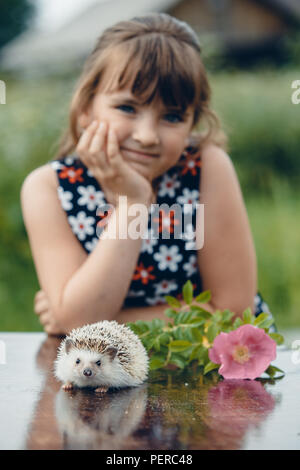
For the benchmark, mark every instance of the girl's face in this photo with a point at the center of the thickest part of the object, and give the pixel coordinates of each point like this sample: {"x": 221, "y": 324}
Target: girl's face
{"x": 151, "y": 137}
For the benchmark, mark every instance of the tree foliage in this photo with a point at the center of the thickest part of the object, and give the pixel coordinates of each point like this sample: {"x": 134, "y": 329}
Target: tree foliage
{"x": 14, "y": 18}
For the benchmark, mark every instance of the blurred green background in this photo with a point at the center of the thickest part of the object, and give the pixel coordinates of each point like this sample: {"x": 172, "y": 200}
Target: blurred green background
{"x": 264, "y": 134}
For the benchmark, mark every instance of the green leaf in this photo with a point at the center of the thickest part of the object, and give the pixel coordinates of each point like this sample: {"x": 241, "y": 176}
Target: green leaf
{"x": 212, "y": 332}
{"x": 271, "y": 371}
{"x": 158, "y": 323}
{"x": 187, "y": 292}
{"x": 210, "y": 366}
{"x": 148, "y": 343}
{"x": 277, "y": 337}
{"x": 266, "y": 323}
{"x": 172, "y": 301}
{"x": 237, "y": 322}
{"x": 156, "y": 363}
{"x": 227, "y": 316}
{"x": 169, "y": 312}
{"x": 156, "y": 344}
{"x": 195, "y": 323}
{"x": 201, "y": 312}
{"x": 197, "y": 335}
{"x": 196, "y": 352}
{"x": 217, "y": 316}
{"x": 177, "y": 360}
{"x": 203, "y": 356}
{"x": 165, "y": 338}
{"x": 204, "y": 297}
{"x": 247, "y": 316}
{"x": 179, "y": 345}
{"x": 261, "y": 318}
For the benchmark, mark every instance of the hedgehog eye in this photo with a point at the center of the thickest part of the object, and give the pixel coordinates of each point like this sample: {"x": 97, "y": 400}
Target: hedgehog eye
{"x": 98, "y": 363}
{"x": 77, "y": 361}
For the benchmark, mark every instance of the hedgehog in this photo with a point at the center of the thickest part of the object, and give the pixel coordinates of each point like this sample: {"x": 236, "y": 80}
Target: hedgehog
{"x": 101, "y": 355}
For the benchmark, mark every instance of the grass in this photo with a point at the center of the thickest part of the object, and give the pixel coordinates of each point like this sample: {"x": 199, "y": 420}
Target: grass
{"x": 276, "y": 226}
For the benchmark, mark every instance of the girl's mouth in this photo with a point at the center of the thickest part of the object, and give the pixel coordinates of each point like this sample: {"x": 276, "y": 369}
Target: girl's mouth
{"x": 137, "y": 155}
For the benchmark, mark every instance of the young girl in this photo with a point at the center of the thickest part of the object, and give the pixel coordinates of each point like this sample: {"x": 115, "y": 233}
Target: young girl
{"x": 141, "y": 95}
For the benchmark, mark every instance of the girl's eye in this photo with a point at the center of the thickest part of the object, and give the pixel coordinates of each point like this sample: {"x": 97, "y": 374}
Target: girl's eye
{"x": 77, "y": 361}
{"x": 126, "y": 108}
{"x": 170, "y": 117}
{"x": 98, "y": 363}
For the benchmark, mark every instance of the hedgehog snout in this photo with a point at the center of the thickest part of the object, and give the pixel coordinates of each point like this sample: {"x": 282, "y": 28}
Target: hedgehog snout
{"x": 87, "y": 372}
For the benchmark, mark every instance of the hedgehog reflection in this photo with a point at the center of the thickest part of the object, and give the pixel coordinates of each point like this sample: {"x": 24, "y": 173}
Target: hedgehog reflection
{"x": 89, "y": 422}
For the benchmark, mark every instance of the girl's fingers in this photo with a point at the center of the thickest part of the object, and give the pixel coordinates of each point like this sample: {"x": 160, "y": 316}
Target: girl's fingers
{"x": 44, "y": 318}
{"x": 113, "y": 151}
{"x": 96, "y": 148}
{"x": 41, "y": 306}
{"x": 86, "y": 137}
{"x": 39, "y": 295}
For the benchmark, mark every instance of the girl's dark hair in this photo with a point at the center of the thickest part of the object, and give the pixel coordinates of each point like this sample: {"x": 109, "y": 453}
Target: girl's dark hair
{"x": 155, "y": 56}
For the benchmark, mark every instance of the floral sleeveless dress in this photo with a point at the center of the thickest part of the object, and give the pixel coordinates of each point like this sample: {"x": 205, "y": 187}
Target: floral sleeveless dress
{"x": 168, "y": 256}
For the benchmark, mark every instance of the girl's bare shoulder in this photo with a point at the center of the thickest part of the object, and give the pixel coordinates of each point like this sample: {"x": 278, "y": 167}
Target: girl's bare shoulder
{"x": 217, "y": 167}
{"x": 212, "y": 154}
{"x": 39, "y": 192}
{"x": 43, "y": 176}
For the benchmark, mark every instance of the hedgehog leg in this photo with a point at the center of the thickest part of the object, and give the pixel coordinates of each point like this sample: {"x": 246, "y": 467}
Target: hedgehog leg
{"x": 101, "y": 389}
{"x": 68, "y": 386}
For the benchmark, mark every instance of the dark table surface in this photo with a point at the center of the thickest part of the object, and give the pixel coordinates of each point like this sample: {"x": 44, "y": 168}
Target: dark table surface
{"x": 167, "y": 412}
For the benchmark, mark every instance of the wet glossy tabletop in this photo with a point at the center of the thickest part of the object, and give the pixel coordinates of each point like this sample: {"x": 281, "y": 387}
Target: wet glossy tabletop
{"x": 167, "y": 412}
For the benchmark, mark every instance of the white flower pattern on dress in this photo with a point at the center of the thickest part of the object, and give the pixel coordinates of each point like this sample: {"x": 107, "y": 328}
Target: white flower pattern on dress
{"x": 90, "y": 246}
{"x": 156, "y": 301}
{"x": 165, "y": 287}
{"x": 191, "y": 266}
{"x": 168, "y": 186}
{"x": 168, "y": 258}
{"x": 57, "y": 165}
{"x": 149, "y": 241}
{"x": 82, "y": 225}
{"x": 65, "y": 198}
{"x": 90, "y": 197}
{"x": 139, "y": 293}
{"x": 189, "y": 235}
{"x": 188, "y": 199}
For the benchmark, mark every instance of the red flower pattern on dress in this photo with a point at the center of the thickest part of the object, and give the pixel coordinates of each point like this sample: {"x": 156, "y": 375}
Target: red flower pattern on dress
{"x": 143, "y": 273}
{"x": 72, "y": 174}
{"x": 166, "y": 221}
{"x": 191, "y": 164}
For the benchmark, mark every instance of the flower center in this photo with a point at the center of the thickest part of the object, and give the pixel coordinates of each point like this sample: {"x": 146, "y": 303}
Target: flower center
{"x": 241, "y": 354}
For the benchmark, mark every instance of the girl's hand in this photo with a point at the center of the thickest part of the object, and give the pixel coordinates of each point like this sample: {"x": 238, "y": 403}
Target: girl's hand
{"x": 99, "y": 150}
{"x": 43, "y": 309}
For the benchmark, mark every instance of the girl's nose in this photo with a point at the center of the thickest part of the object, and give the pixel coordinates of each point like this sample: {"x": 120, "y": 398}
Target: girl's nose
{"x": 146, "y": 132}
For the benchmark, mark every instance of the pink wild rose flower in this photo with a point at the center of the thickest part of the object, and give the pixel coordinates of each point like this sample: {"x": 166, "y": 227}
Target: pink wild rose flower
{"x": 244, "y": 353}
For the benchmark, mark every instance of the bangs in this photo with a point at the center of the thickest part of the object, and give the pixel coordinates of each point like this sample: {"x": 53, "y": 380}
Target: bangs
{"x": 154, "y": 67}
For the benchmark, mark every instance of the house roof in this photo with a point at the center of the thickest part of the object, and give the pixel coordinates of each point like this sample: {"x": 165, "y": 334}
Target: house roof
{"x": 35, "y": 50}
{"x": 73, "y": 41}
{"x": 289, "y": 9}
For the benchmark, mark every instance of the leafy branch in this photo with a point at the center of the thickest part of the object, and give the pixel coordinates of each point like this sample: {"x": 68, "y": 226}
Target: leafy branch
{"x": 190, "y": 332}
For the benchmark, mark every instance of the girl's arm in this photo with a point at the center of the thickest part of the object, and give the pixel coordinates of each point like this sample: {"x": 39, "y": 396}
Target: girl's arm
{"x": 227, "y": 261}
{"x": 81, "y": 289}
